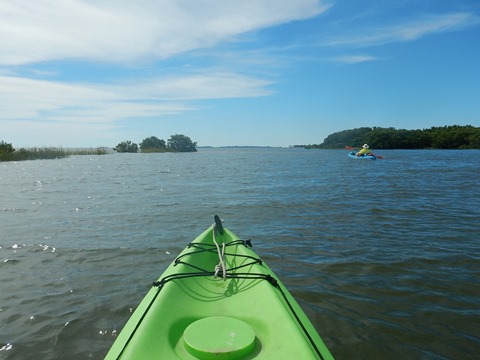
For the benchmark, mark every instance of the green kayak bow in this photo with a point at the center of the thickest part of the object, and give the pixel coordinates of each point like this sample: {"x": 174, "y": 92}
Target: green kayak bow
{"x": 218, "y": 300}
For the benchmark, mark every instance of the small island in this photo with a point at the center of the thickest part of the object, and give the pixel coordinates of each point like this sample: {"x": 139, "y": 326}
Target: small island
{"x": 176, "y": 143}
{"x": 447, "y": 137}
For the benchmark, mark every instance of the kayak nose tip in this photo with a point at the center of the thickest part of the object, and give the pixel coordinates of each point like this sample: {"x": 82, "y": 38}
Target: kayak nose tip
{"x": 218, "y": 224}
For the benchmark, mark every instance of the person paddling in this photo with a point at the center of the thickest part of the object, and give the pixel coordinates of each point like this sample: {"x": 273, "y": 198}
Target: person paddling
{"x": 365, "y": 150}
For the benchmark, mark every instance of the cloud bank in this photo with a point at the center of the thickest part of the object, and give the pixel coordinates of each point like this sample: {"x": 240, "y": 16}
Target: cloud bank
{"x": 125, "y": 31}
{"x": 137, "y": 34}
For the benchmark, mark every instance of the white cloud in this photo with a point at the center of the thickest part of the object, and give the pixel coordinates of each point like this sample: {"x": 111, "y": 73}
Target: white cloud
{"x": 214, "y": 85}
{"x": 86, "y": 113}
{"x": 22, "y": 98}
{"x": 407, "y": 31}
{"x": 124, "y": 30}
{"x": 354, "y": 59}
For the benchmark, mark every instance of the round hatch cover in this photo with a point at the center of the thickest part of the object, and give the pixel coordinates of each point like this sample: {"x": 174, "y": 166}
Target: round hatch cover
{"x": 219, "y": 337}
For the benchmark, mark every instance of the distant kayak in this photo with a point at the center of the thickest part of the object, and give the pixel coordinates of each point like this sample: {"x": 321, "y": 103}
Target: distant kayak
{"x": 353, "y": 155}
{"x": 218, "y": 300}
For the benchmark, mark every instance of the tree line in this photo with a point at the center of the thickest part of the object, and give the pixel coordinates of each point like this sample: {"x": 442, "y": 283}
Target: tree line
{"x": 176, "y": 143}
{"x": 447, "y": 137}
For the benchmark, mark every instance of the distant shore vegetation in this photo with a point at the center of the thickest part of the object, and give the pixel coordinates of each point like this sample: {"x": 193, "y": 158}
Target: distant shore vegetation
{"x": 176, "y": 143}
{"x": 9, "y": 153}
{"x": 447, "y": 137}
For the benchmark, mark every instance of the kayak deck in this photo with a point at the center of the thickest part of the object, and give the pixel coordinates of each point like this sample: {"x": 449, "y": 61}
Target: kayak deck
{"x": 191, "y": 314}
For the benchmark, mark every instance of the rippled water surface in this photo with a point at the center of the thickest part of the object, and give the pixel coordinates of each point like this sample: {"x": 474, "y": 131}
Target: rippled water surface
{"x": 383, "y": 256}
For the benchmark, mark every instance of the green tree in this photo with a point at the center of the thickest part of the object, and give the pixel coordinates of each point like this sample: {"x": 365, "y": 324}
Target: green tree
{"x": 473, "y": 141}
{"x": 6, "y": 151}
{"x": 354, "y": 137}
{"x": 153, "y": 144}
{"x": 6, "y": 147}
{"x": 181, "y": 143}
{"x": 126, "y": 146}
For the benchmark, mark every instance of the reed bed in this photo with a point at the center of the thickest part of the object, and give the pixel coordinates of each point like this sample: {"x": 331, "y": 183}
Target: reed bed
{"x": 38, "y": 153}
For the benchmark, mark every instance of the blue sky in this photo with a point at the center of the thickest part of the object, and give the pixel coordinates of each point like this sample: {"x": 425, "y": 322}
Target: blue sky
{"x": 81, "y": 73}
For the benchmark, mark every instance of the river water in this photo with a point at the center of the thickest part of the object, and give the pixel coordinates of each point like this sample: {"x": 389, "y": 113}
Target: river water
{"x": 384, "y": 256}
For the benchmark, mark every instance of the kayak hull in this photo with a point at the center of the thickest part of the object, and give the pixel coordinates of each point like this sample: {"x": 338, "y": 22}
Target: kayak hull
{"x": 353, "y": 155}
{"x": 188, "y": 311}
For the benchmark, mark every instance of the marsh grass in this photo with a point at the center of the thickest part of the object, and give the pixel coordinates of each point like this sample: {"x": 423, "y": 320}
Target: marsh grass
{"x": 38, "y": 153}
{"x": 89, "y": 151}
